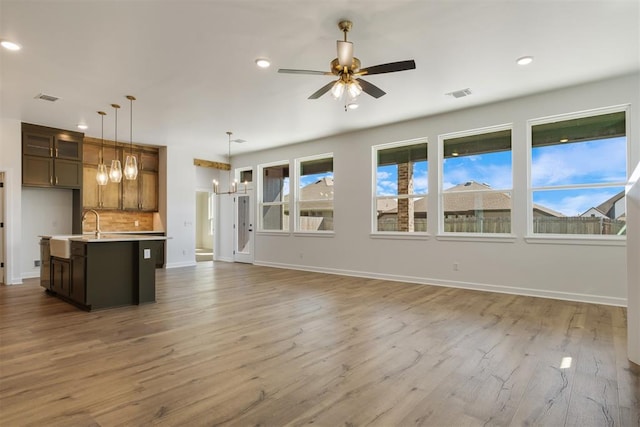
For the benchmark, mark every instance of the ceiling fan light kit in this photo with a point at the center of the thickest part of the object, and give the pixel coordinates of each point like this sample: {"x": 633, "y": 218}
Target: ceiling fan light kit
{"x": 347, "y": 68}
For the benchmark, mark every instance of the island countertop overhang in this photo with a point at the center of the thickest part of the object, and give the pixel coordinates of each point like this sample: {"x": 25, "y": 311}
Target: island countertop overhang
{"x": 105, "y": 238}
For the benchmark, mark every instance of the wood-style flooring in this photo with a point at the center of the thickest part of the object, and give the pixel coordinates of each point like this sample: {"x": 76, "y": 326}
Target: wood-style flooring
{"x": 242, "y": 345}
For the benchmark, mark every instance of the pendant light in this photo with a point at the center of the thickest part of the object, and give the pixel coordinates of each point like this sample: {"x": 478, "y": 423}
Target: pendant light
{"x": 102, "y": 176}
{"x": 115, "y": 172}
{"x": 131, "y": 163}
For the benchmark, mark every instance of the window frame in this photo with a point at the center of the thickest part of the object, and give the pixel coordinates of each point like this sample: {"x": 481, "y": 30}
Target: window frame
{"x": 596, "y": 239}
{"x": 441, "y": 217}
{"x": 374, "y": 196}
{"x": 294, "y": 206}
{"x": 261, "y": 203}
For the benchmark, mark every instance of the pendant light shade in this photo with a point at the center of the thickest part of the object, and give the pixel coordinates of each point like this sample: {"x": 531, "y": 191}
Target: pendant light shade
{"x": 115, "y": 172}
{"x": 131, "y": 162}
{"x": 102, "y": 176}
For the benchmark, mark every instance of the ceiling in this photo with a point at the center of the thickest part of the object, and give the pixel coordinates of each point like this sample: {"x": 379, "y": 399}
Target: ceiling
{"x": 191, "y": 63}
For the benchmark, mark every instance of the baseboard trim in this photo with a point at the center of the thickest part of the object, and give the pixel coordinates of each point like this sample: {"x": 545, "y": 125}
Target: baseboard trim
{"x": 566, "y": 296}
{"x": 180, "y": 264}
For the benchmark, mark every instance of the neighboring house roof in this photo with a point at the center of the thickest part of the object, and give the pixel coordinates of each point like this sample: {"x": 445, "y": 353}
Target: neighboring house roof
{"x": 606, "y": 208}
{"x": 317, "y": 193}
{"x": 463, "y": 198}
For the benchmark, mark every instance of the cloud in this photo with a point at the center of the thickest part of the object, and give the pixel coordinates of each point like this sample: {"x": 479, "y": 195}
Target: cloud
{"x": 493, "y": 169}
{"x": 580, "y": 163}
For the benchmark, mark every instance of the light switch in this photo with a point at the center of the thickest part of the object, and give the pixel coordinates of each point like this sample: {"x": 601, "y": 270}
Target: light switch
{"x": 147, "y": 253}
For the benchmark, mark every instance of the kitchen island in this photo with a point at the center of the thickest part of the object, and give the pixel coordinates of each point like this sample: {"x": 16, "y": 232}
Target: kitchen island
{"x": 97, "y": 272}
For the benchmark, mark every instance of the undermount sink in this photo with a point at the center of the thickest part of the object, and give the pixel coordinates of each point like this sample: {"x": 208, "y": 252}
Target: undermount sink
{"x": 60, "y": 246}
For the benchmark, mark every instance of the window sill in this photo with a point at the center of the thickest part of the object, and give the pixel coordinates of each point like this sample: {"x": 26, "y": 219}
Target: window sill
{"x": 273, "y": 233}
{"x": 314, "y": 233}
{"x": 556, "y": 239}
{"x": 466, "y": 237}
{"x": 400, "y": 236}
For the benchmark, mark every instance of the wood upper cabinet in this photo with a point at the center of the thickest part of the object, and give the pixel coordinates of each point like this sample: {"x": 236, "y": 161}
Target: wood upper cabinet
{"x": 51, "y": 157}
{"x": 93, "y": 195}
{"x": 138, "y": 194}
{"x": 142, "y": 193}
{"x": 148, "y": 190}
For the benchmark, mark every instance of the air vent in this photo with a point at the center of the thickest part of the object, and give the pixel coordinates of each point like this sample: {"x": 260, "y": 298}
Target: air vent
{"x": 460, "y": 93}
{"x": 46, "y": 97}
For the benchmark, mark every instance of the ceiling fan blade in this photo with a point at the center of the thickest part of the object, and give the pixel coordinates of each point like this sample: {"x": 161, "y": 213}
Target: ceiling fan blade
{"x": 324, "y": 89}
{"x": 345, "y": 53}
{"x": 318, "y": 73}
{"x": 371, "y": 89}
{"x": 391, "y": 67}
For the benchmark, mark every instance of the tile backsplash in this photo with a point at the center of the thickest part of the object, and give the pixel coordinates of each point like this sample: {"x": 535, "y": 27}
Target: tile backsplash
{"x": 120, "y": 221}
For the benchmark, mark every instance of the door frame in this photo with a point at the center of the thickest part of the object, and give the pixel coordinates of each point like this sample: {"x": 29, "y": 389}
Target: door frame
{"x": 244, "y": 257}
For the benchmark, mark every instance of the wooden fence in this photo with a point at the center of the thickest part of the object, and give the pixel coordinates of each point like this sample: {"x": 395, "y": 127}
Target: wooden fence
{"x": 541, "y": 225}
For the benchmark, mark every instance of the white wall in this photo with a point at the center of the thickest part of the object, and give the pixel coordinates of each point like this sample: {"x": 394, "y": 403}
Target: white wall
{"x": 181, "y": 207}
{"x": 586, "y": 271}
{"x": 44, "y": 211}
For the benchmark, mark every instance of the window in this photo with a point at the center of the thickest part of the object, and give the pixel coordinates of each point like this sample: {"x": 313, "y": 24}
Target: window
{"x": 400, "y": 197}
{"x": 475, "y": 195}
{"x": 578, "y": 173}
{"x": 315, "y": 193}
{"x": 246, "y": 176}
{"x": 274, "y": 201}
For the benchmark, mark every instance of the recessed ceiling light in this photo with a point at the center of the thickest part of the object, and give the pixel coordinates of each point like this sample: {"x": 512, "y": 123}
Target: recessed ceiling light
{"x": 353, "y": 106}
{"x": 524, "y": 60}
{"x": 9, "y": 45}
{"x": 564, "y": 140}
{"x": 263, "y": 63}
{"x": 82, "y": 126}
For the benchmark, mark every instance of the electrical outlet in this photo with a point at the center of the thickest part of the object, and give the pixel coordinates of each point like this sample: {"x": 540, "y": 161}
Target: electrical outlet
{"x": 456, "y": 266}
{"x": 136, "y": 223}
{"x": 36, "y": 263}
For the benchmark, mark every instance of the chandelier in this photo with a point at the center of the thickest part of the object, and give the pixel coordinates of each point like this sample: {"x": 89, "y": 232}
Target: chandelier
{"x": 233, "y": 185}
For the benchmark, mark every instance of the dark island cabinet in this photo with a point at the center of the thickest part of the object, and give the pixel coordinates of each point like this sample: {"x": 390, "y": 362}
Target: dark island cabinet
{"x": 78, "y": 273}
{"x": 61, "y": 276}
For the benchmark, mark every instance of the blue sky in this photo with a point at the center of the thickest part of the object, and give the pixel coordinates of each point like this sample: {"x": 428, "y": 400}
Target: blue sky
{"x": 602, "y": 161}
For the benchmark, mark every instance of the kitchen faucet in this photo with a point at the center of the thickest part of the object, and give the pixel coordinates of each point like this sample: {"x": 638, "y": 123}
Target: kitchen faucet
{"x": 97, "y": 232}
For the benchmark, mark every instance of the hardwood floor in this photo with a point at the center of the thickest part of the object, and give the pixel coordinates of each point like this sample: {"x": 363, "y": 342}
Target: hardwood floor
{"x": 241, "y": 345}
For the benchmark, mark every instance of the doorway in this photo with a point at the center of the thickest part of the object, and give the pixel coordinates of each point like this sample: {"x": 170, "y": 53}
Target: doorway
{"x": 204, "y": 226}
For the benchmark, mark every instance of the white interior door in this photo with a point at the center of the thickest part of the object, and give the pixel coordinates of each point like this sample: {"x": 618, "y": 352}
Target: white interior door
{"x": 243, "y": 228}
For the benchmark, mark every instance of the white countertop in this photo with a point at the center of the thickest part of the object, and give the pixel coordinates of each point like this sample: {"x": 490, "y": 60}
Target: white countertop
{"x": 105, "y": 237}
{"x": 112, "y": 237}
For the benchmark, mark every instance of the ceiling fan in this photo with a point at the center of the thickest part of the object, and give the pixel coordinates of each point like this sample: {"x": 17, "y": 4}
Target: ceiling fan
{"x": 347, "y": 68}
